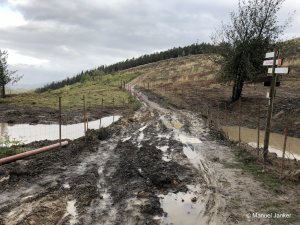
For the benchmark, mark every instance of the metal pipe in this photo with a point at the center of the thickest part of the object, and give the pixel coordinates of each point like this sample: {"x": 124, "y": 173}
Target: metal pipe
{"x": 32, "y": 152}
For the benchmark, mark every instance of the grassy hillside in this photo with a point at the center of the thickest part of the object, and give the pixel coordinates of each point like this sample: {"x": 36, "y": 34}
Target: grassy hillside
{"x": 106, "y": 87}
{"x": 199, "y": 71}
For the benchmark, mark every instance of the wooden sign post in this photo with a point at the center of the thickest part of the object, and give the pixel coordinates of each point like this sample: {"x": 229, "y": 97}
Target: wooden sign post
{"x": 274, "y": 72}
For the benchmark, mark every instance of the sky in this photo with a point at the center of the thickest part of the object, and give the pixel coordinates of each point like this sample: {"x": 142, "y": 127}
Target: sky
{"x": 51, "y": 40}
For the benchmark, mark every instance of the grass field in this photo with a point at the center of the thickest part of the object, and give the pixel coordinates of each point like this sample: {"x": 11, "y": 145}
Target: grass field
{"x": 106, "y": 87}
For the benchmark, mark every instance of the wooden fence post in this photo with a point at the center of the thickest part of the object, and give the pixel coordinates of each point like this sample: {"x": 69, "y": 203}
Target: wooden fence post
{"x": 207, "y": 109}
{"x": 113, "y": 110}
{"x": 226, "y": 120}
{"x": 258, "y": 126}
{"x": 240, "y": 102}
{"x": 60, "y": 122}
{"x": 218, "y": 115}
{"x": 87, "y": 121}
{"x": 284, "y": 146}
{"x": 84, "y": 116}
{"x": 123, "y": 106}
{"x": 101, "y": 114}
{"x": 210, "y": 113}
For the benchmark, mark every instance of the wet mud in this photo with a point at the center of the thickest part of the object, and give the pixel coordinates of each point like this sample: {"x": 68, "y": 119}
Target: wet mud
{"x": 40, "y": 115}
{"x": 160, "y": 165}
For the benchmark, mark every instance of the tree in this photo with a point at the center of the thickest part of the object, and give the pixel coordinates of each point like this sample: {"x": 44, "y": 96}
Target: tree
{"x": 183, "y": 53}
{"x": 6, "y": 76}
{"x": 253, "y": 31}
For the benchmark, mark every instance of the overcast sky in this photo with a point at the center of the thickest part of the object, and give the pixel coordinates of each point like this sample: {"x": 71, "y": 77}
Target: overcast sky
{"x": 50, "y": 40}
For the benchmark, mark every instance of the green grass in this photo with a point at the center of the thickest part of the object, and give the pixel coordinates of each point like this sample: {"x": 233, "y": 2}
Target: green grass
{"x": 106, "y": 87}
{"x": 9, "y": 147}
{"x": 268, "y": 182}
{"x": 236, "y": 201}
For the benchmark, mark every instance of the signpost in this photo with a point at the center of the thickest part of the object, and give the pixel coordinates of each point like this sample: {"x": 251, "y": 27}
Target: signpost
{"x": 271, "y": 55}
{"x": 283, "y": 70}
{"x": 270, "y": 62}
{"x": 274, "y": 72}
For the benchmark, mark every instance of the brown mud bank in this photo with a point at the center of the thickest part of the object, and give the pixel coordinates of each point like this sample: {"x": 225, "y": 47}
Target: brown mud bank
{"x": 40, "y": 115}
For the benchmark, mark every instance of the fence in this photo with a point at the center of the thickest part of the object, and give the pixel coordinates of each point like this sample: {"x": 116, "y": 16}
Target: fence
{"x": 62, "y": 122}
{"x": 243, "y": 121}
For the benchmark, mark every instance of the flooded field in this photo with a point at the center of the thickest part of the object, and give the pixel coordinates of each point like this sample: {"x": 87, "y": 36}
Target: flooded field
{"x": 275, "y": 145}
{"x": 29, "y": 133}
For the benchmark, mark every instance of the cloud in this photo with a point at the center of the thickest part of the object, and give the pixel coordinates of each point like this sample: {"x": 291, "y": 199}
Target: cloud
{"x": 70, "y": 36}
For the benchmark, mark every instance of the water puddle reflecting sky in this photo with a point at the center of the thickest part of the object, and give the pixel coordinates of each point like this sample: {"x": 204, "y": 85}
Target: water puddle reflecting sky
{"x": 30, "y": 133}
{"x": 276, "y": 141}
{"x": 183, "y": 212}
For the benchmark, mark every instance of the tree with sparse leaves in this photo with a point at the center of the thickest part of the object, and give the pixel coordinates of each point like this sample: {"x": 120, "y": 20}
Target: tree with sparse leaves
{"x": 243, "y": 43}
{"x": 6, "y": 76}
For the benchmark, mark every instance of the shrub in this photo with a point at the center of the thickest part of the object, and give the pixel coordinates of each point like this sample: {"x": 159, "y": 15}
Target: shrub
{"x": 136, "y": 105}
{"x": 37, "y": 90}
{"x": 85, "y": 78}
{"x": 9, "y": 147}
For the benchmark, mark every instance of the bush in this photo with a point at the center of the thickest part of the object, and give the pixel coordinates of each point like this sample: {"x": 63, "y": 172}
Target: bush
{"x": 50, "y": 90}
{"x": 136, "y": 105}
{"x": 9, "y": 147}
{"x": 37, "y": 90}
{"x": 72, "y": 87}
{"x": 85, "y": 78}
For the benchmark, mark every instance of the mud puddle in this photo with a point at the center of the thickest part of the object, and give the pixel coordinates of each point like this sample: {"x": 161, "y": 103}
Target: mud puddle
{"x": 29, "y": 133}
{"x": 183, "y": 209}
{"x": 275, "y": 145}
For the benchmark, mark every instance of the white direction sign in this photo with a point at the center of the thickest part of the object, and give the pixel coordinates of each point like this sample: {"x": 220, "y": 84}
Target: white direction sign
{"x": 283, "y": 70}
{"x": 270, "y": 54}
{"x": 270, "y": 62}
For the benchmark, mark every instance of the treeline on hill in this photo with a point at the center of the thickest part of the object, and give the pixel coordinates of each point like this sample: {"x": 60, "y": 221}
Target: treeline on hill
{"x": 193, "y": 49}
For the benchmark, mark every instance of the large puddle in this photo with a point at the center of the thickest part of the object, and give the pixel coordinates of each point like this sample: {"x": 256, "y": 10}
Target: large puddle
{"x": 181, "y": 210}
{"x": 276, "y": 141}
{"x": 29, "y": 133}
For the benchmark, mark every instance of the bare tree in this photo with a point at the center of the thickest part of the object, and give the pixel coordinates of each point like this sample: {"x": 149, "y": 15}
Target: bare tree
{"x": 253, "y": 31}
{"x": 6, "y": 76}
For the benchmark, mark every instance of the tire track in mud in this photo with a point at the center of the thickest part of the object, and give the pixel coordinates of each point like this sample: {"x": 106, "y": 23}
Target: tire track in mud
{"x": 158, "y": 166}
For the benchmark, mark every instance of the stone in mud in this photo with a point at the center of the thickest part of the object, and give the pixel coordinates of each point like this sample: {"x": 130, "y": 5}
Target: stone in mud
{"x": 215, "y": 159}
{"x": 152, "y": 207}
{"x": 18, "y": 170}
{"x": 160, "y": 179}
{"x": 144, "y": 194}
{"x": 35, "y": 121}
{"x": 2, "y": 171}
{"x": 194, "y": 199}
{"x": 102, "y": 134}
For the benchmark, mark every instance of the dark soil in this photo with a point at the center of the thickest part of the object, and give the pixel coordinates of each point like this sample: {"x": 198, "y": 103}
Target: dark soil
{"x": 38, "y": 115}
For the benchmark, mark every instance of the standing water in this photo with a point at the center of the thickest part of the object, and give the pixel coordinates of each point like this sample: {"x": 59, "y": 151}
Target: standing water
{"x": 275, "y": 144}
{"x": 29, "y": 133}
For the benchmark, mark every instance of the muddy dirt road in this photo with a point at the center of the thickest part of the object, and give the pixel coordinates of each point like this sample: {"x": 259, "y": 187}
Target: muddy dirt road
{"x": 158, "y": 166}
